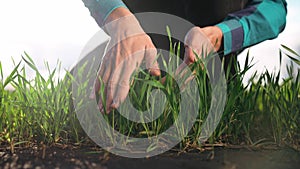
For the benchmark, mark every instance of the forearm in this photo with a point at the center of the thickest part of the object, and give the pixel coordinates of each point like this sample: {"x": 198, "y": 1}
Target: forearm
{"x": 259, "y": 21}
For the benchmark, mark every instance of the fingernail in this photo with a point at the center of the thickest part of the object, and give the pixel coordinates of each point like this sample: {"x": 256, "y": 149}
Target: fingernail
{"x": 154, "y": 72}
{"x": 114, "y": 105}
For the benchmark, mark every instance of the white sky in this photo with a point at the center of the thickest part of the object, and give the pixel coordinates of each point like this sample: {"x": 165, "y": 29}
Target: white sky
{"x": 48, "y": 30}
{"x": 51, "y": 30}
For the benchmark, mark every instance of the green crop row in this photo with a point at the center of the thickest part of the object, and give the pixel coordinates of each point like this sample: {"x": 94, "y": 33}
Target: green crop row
{"x": 266, "y": 110}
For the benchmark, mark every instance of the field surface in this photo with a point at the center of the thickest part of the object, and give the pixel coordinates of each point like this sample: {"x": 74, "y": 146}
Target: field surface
{"x": 262, "y": 114}
{"x": 219, "y": 158}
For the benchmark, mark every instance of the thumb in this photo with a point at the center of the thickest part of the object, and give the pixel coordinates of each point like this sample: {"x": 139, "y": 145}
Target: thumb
{"x": 189, "y": 55}
{"x": 151, "y": 61}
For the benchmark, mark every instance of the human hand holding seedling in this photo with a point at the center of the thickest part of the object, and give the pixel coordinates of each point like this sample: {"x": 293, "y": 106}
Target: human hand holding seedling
{"x": 202, "y": 41}
{"x": 198, "y": 43}
{"x": 128, "y": 47}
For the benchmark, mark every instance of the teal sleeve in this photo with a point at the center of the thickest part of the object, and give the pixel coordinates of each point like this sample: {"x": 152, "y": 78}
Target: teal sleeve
{"x": 100, "y": 9}
{"x": 260, "y": 20}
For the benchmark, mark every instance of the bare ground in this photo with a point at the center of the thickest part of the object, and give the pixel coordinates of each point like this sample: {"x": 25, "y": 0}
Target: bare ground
{"x": 219, "y": 158}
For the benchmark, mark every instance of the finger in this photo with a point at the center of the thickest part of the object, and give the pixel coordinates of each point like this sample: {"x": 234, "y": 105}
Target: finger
{"x": 121, "y": 94}
{"x": 100, "y": 105}
{"x": 163, "y": 80}
{"x": 151, "y": 61}
{"x": 111, "y": 87}
{"x": 189, "y": 55}
{"x": 110, "y": 82}
{"x": 102, "y": 79}
{"x": 97, "y": 82}
{"x": 124, "y": 72}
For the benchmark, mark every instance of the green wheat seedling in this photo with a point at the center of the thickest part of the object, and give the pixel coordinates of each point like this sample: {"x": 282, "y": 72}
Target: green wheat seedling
{"x": 37, "y": 110}
{"x": 264, "y": 111}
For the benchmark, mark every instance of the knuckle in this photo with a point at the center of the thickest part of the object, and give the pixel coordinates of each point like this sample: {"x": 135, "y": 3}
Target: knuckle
{"x": 123, "y": 83}
{"x": 153, "y": 50}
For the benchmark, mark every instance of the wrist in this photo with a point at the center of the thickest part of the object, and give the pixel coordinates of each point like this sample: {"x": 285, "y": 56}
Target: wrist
{"x": 121, "y": 22}
{"x": 219, "y": 38}
{"x": 111, "y": 24}
{"x": 117, "y": 13}
{"x": 215, "y": 35}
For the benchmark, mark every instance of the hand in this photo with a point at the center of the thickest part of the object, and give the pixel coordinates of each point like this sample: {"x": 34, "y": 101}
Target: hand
{"x": 200, "y": 41}
{"x": 128, "y": 47}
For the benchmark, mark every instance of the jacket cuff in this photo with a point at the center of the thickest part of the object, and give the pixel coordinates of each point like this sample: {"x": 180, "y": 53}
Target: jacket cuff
{"x": 101, "y": 9}
{"x": 233, "y": 35}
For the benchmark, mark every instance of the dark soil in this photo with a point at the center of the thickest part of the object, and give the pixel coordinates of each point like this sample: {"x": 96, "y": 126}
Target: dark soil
{"x": 220, "y": 158}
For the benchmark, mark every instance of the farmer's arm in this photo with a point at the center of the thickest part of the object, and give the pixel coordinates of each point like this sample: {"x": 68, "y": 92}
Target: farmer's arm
{"x": 259, "y": 21}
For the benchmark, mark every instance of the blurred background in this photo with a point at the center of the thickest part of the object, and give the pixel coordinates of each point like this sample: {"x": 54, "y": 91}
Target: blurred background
{"x": 57, "y": 30}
